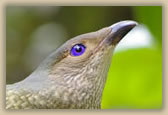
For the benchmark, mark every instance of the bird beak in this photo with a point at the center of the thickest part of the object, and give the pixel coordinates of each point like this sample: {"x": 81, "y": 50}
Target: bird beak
{"x": 119, "y": 30}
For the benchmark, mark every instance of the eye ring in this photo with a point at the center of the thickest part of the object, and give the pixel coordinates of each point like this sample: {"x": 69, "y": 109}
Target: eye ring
{"x": 78, "y": 49}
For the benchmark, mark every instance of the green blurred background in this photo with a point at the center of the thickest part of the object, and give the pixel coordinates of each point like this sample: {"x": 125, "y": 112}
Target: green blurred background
{"x": 135, "y": 76}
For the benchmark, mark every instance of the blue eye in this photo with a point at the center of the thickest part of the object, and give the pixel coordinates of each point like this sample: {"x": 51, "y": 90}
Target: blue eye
{"x": 78, "y": 50}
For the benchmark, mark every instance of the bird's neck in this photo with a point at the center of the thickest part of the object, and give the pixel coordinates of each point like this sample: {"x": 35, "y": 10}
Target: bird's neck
{"x": 83, "y": 90}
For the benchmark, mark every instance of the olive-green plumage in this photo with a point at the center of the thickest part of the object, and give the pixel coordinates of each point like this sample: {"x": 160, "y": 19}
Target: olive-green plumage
{"x": 65, "y": 81}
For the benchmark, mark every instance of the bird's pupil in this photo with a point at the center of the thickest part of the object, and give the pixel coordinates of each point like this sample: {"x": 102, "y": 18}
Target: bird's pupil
{"x": 78, "y": 49}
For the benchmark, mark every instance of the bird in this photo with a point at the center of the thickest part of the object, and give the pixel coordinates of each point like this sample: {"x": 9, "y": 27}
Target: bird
{"x": 73, "y": 76}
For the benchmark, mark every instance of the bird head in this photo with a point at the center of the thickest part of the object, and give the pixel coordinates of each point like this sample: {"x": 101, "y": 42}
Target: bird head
{"x": 87, "y": 54}
{"x": 79, "y": 67}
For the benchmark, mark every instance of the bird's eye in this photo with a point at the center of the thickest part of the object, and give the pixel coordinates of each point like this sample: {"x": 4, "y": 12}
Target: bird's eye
{"x": 78, "y": 50}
